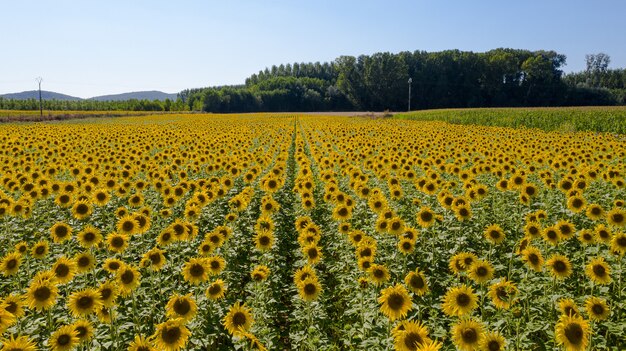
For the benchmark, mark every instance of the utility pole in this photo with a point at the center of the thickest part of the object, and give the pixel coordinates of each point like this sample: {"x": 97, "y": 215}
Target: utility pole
{"x": 39, "y": 80}
{"x": 410, "y": 81}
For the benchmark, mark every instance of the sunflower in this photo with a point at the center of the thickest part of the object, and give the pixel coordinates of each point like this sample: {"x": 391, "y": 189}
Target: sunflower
{"x": 83, "y": 303}
{"x": 395, "y": 302}
{"x": 365, "y": 263}
{"x": 493, "y": 341}
{"x": 14, "y": 304}
{"x": 260, "y": 273}
{"x": 467, "y": 334}
{"x": 216, "y": 290}
{"x": 303, "y": 273}
{"x": 84, "y": 330}
{"x": 344, "y": 228}
{"x": 81, "y": 210}
{"x": 417, "y": 283}
{"x": 144, "y": 222}
{"x": 196, "y": 270}
{"x": 135, "y": 200}
{"x": 10, "y": 264}
{"x": 432, "y": 345}
{"x": 64, "y": 200}
{"x": 100, "y": 197}
{"x": 121, "y": 212}
{"x": 85, "y": 262}
{"x": 105, "y": 314}
{"x": 565, "y": 228}
{"x": 165, "y": 238}
{"x": 616, "y": 217}
{"x": 141, "y": 343}
{"x": 572, "y": 332}
{"x": 480, "y": 271}
{"x": 567, "y": 307}
{"x": 586, "y": 237}
{"x": 597, "y": 308}
{"x": 266, "y": 223}
{"x": 21, "y": 247}
{"x": 128, "y": 225}
{"x": 551, "y": 235}
{"x": 312, "y": 253}
{"x": 618, "y": 243}
{"x": 529, "y": 189}
{"x": 60, "y": 232}
{"x": 128, "y": 279}
{"x": 108, "y": 292}
{"x": 112, "y": 264}
{"x": 560, "y": 265}
{"x": 154, "y": 259}
{"x": 356, "y": 236}
{"x": 215, "y": 239}
{"x": 378, "y": 274}
{"x": 117, "y": 242}
{"x": 410, "y": 336}
{"x": 463, "y": 212}
{"x": 459, "y": 301}
{"x": 533, "y": 257}
{"x": 603, "y": 234}
{"x": 595, "y": 212}
{"x": 171, "y": 335}
{"x": 342, "y": 213}
{"x": 64, "y": 270}
{"x": 494, "y": 234}
{"x": 181, "y": 306}
{"x": 309, "y": 289}
{"x": 576, "y": 203}
{"x": 215, "y": 264}
{"x": 366, "y": 249}
{"x": 532, "y": 230}
{"x": 40, "y": 250}
{"x": 425, "y": 217}
{"x": 6, "y": 320}
{"x": 255, "y": 343}
{"x": 264, "y": 240}
{"x": 396, "y": 225}
{"x": 231, "y": 217}
{"x": 599, "y": 271}
{"x": 461, "y": 262}
{"x": 63, "y": 339}
{"x": 382, "y": 225}
{"x": 89, "y": 237}
{"x": 503, "y": 294}
{"x": 238, "y": 319}
{"x": 406, "y": 246}
{"x": 21, "y": 343}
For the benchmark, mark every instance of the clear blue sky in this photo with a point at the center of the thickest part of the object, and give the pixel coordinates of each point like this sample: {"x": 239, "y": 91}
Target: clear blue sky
{"x": 86, "y": 48}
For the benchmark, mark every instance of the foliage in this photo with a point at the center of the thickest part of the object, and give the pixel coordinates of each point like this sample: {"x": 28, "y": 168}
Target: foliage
{"x": 594, "y": 119}
{"x": 93, "y": 105}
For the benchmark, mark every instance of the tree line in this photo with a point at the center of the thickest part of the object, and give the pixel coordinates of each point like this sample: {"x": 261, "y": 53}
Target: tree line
{"x": 94, "y": 105}
{"x": 446, "y": 79}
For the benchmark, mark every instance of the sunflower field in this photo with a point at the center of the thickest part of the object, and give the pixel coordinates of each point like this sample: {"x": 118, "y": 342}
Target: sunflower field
{"x": 291, "y": 232}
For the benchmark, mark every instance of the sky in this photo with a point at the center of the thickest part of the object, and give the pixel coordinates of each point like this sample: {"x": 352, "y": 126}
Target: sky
{"x": 89, "y": 48}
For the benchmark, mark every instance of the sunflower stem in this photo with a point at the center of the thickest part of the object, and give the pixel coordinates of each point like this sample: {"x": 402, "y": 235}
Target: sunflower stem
{"x": 113, "y": 331}
{"x": 591, "y": 335}
{"x": 135, "y": 319}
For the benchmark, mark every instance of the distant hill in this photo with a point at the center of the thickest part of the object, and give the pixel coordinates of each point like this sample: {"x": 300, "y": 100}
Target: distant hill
{"x": 34, "y": 94}
{"x": 139, "y": 95}
{"x": 50, "y": 95}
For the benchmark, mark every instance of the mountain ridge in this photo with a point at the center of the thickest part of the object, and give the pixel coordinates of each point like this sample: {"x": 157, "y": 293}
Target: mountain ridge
{"x": 51, "y": 95}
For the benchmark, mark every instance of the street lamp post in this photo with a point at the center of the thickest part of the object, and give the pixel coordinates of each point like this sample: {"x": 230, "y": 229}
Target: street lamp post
{"x": 410, "y": 81}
